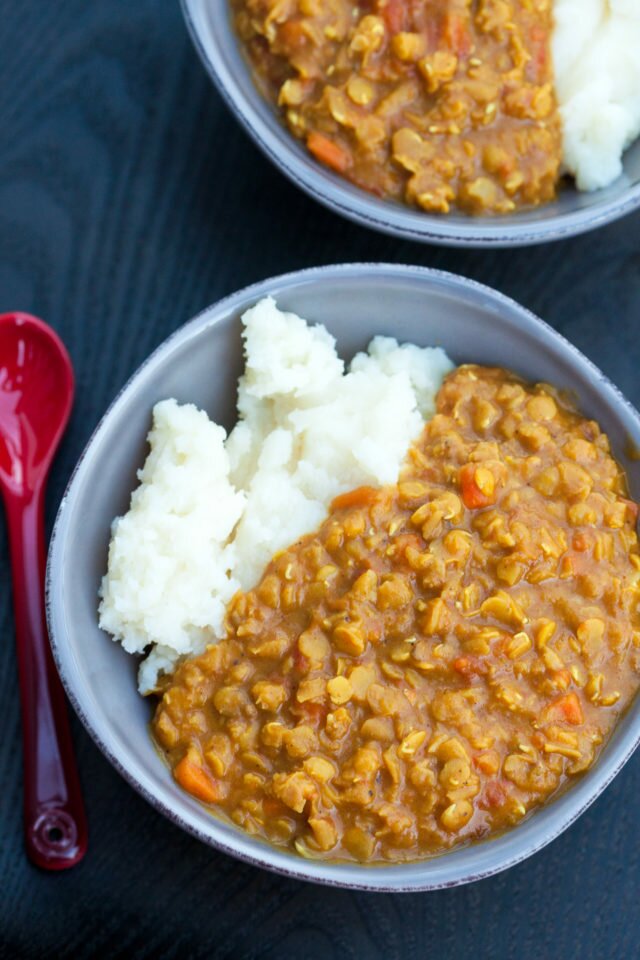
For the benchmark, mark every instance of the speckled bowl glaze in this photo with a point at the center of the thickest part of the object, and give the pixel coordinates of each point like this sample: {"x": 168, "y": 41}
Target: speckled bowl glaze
{"x": 200, "y": 363}
{"x": 209, "y": 24}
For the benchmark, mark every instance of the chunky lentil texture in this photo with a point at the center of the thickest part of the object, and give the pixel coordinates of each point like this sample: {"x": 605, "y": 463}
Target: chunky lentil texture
{"x": 441, "y": 657}
{"x": 441, "y": 104}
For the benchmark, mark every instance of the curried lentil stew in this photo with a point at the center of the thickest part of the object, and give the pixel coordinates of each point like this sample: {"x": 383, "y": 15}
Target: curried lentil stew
{"x": 441, "y": 657}
{"x": 443, "y": 104}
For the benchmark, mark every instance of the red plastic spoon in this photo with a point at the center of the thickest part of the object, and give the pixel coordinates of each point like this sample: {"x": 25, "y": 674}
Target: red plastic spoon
{"x": 36, "y": 394}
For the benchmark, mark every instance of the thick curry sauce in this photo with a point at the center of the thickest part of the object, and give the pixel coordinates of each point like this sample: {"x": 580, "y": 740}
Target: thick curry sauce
{"x": 441, "y": 657}
{"x": 443, "y": 104}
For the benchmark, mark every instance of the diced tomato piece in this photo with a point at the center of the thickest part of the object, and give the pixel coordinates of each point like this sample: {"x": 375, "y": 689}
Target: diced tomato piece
{"x": 300, "y": 662}
{"x": 540, "y": 51}
{"x": 395, "y": 15}
{"x": 495, "y": 793}
{"x": 314, "y": 713}
{"x": 456, "y": 35}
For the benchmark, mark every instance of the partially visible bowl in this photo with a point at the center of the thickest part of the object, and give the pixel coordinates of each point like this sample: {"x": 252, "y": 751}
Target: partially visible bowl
{"x": 210, "y": 26}
{"x": 200, "y": 363}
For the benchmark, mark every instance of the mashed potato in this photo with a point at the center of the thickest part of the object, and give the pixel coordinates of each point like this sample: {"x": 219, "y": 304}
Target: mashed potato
{"x": 168, "y": 578}
{"x": 596, "y": 51}
{"x": 210, "y": 513}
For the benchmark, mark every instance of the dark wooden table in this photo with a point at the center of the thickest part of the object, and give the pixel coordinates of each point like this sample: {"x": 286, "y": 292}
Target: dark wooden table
{"x": 129, "y": 200}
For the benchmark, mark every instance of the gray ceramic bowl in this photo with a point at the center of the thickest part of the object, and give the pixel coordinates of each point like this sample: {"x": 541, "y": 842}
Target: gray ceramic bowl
{"x": 210, "y": 26}
{"x": 200, "y": 363}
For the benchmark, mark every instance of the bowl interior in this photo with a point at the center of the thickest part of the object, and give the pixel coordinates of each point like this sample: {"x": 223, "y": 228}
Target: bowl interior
{"x": 200, "y": 364}
{"x": 210, "y": 24}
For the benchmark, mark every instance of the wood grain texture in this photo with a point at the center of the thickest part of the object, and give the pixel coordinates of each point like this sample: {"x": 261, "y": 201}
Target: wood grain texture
{"x": 129, "y": 200}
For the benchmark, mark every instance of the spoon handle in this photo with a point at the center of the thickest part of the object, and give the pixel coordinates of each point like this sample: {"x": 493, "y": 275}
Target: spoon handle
{"x": 54, "y": 818}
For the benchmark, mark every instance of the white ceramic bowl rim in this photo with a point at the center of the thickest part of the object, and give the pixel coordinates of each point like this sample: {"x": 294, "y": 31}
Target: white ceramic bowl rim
{"x": 225, "y": 66}
{"x": 501, "y": 852}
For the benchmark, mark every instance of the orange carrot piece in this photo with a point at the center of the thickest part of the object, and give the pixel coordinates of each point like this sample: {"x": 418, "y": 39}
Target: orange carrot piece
{"x": 329, "y": 152}
{"x": 569, "y": 709}
{"x": 196, "y": 781}
{"x": 472, "y": 496}
{"x": 360, "y": 497}
{"x": 485, "y": 764}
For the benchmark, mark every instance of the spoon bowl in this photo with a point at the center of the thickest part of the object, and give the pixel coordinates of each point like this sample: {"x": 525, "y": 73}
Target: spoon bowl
{"x": 36, "y": 395}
